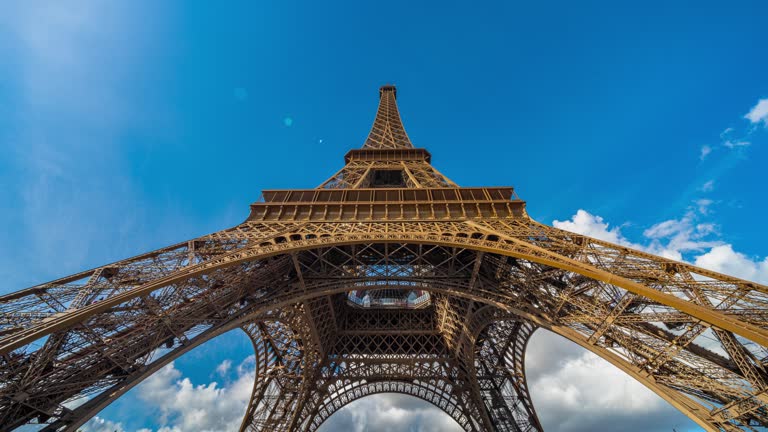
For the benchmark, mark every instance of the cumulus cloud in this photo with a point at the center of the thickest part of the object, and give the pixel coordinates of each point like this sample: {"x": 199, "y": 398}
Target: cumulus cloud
{"x": 576, "y": 391}
{"x": 390, "y": 413}
{"x": 98, "y": 424}
{"x": 584, "y": 222}
{"x": 676, "y": 238}
{"x": 671, "y": 238}
{"x": 759, "y": 113}
{"x": 573, "y": 389}
{"x": 708, "y": 186}
{"x": 724, "y": 259}
{"x": 184, "y": 406}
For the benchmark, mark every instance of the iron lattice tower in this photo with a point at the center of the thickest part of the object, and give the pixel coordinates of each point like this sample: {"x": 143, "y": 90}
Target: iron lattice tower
{"x": 388, "y": 277}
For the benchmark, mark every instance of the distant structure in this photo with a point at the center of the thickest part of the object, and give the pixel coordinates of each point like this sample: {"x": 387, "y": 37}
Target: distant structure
{"x": 388, "y": 277}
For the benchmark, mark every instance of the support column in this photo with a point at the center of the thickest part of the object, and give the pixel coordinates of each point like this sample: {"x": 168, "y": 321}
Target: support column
{"x": 498, "y": 361}
{"x": 286, "y": 363}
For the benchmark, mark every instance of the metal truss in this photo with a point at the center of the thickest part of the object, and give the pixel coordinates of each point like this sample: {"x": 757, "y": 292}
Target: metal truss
{"x": 391, "y": 227}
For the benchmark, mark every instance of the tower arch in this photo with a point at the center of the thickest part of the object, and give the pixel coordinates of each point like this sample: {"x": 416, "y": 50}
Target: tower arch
{"x": 433, "y": 393}
{"x": 425, "y": 411}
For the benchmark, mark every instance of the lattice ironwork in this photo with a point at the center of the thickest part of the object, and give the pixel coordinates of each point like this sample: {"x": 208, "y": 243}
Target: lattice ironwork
{"x": 457, "y": 280}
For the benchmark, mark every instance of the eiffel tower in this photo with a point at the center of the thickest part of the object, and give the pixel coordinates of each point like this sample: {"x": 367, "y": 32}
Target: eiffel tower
{"x": 388, "y": 277}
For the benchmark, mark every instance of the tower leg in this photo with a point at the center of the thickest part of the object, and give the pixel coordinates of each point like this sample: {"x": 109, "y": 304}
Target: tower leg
{"x": 500, "y": 374}
{"x": 286, "y": 362}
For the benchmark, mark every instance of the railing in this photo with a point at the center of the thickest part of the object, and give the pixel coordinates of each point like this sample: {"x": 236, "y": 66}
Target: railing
{"x": 352, "y": 205}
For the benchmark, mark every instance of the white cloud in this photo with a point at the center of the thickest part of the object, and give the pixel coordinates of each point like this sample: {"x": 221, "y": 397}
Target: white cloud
{"x": 591, "y": 225}
{"x": 592, "y": 384}
{"x": 390, "y": 412}
{"x": 670, "y": 239}
{"x": 759, "y": 113}
{"x": 708, "y": 186}
{"x": 224, "y": 367}
{"x": 737, "y": 143}
{"x": 703, "y": 205}
{"x": 98, "y": 424}
{"x": 578, "y": 392}
{"x": 724, "y": 259}
{"x": 546, "y": 352}
{"x": 184, "y": 406}
{"x": 574, "y": 390}
{"x": 675, "y": 238}
{"x": 731, "y": 138}
{"x": 705, "y": 151}
{"x": 209, "y": 407}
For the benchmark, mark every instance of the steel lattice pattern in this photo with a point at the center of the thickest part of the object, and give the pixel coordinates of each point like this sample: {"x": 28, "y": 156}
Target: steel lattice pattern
{"x": 386, "y": 226}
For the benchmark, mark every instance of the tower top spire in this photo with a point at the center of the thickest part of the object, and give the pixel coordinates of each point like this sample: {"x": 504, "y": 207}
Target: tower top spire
{"x": 387, "y": 88}
{"x": 387, "y": 131}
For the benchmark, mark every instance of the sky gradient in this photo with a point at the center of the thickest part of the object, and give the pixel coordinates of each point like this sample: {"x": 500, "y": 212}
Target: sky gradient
{"x": 128, "y": 126}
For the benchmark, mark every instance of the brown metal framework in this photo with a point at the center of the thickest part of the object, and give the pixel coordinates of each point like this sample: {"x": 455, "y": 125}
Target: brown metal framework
{"x": 460, "y": 277}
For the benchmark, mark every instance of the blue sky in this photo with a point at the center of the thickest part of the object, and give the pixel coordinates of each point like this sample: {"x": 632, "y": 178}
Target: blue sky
{"x": 127, "y": 126}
